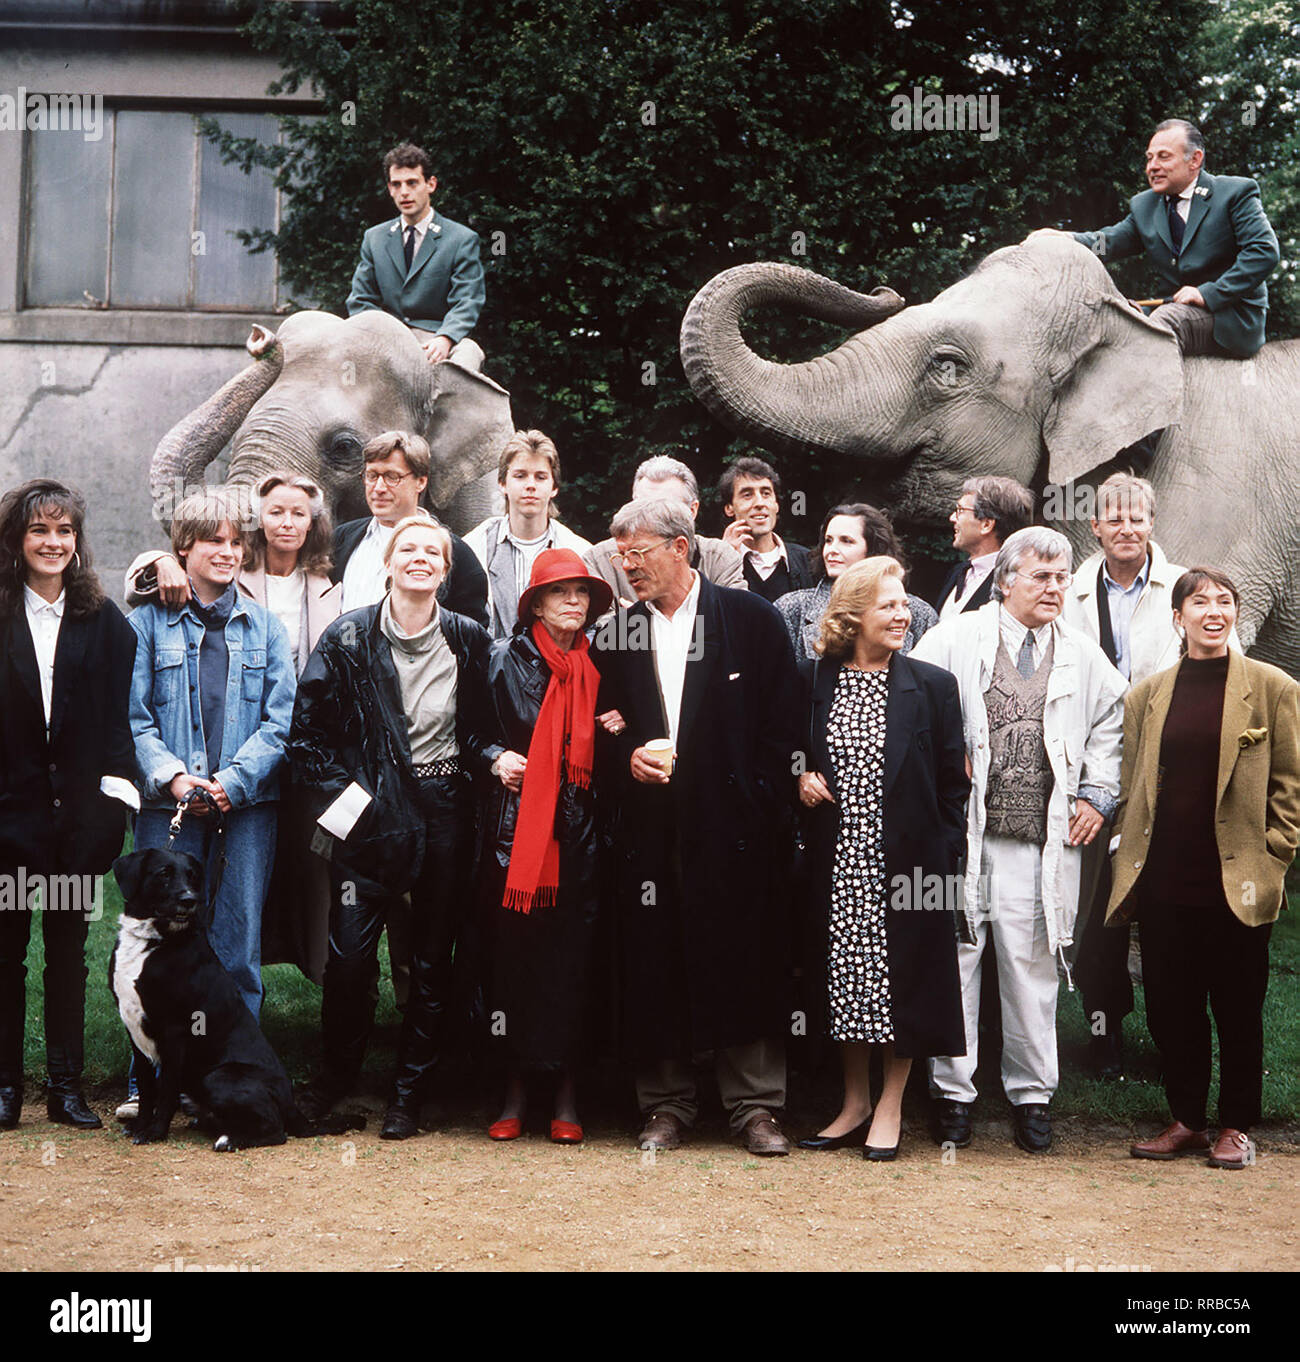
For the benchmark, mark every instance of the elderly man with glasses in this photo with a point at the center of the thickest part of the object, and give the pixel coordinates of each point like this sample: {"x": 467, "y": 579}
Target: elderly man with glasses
{"x": 1044, "y": 711}
{"x": 706, "y": 675}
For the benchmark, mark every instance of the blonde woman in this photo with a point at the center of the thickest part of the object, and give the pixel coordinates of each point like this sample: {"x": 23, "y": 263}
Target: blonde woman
{"x": 389, "y": 725}
{"x": 886, "y": 815}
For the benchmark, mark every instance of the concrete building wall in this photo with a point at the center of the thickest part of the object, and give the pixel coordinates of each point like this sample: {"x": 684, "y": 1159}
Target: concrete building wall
{"x": 86, "y": 394}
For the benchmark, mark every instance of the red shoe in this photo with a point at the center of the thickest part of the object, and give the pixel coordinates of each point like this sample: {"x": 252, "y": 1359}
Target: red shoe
{"x": 566, "y": 1132}
{"x": 509, "y": 1129}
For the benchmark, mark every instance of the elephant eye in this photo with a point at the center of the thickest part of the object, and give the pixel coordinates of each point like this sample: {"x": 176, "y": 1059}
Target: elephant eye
{"x": 343, "y": 450}
{"x": 948, "y": 367}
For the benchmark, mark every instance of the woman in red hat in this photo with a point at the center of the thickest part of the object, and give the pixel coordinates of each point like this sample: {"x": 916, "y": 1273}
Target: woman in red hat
{"x": 540, "y": 861}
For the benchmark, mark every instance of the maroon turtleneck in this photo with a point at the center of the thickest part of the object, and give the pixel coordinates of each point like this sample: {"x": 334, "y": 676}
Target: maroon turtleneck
{"x": 1183, "y": 863}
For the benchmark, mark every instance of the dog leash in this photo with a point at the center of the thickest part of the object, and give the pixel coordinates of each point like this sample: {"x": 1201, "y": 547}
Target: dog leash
{"x": 197, "y": 794}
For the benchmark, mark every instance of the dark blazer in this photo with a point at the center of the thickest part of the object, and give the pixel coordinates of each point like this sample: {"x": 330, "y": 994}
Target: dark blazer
{"x": 444, "y": 291}
{"x": 1229, "y": 250}
{"x": 925, "y": 790}
{"x": 704, "y": 969}
{"x": 53, "y": 818}
{"x": 464, "y": 591}
{"x": 804, "y": 570}
{"x": 980, "y": 596}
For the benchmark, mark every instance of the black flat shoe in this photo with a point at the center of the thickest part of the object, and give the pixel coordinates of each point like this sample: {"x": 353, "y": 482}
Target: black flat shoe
{"x": 845, "y": 1141}
{"x": 873, "y": 1153}
{"x": 70, "y": 1109}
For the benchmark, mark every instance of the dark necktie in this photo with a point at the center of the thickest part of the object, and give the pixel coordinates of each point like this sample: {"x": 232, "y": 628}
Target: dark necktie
{"x": 1176, "y": 224}
{"x": 408, "y": 248}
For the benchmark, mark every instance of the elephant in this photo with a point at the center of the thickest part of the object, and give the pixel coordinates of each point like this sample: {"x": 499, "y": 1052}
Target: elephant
{"x": 317, "y": 390}
{"x": 1035, "y": 367}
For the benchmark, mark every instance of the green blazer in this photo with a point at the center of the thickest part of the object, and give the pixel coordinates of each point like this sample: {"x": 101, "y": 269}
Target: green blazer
{"x": 1229, "y": 250}
{"x": 1257, "y": 817}
{"x": 443, "y": 292}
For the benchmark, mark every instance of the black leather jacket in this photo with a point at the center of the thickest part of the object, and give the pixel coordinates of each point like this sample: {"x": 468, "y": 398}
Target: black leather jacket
{"x": 348, "y": 725}
{"x": 517, "y": 682}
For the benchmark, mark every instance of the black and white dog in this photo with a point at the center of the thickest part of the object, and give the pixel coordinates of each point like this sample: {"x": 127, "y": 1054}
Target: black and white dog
{"x": 190, "y": 1030}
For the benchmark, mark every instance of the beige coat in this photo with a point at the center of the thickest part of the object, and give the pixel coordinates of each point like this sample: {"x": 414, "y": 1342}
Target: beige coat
{"x": 1257, "y": 818}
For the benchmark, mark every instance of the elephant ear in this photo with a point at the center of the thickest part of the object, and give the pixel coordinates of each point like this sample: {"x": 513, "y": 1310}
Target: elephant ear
{"x": 468, "y": 426}
{"x": 1122, "y": 379}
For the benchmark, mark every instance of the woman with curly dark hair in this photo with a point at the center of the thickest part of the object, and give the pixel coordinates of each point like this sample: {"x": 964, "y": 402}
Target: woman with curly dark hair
{"x": 850, "y": 532}
{"x": 67, "y": 764}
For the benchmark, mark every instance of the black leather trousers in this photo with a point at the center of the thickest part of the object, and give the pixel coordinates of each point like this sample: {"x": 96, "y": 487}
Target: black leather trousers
{"x": 359, "y": 906}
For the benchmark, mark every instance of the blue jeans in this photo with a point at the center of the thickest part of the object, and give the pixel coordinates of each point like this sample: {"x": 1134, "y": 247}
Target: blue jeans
{"x": 235, "y": 930}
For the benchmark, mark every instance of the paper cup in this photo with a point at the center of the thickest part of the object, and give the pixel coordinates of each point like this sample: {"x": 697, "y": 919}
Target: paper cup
{"x": 660, "y": 751}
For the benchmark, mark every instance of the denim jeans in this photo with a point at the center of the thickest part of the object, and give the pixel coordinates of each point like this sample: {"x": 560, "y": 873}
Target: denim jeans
{"x": 235, "y": 929}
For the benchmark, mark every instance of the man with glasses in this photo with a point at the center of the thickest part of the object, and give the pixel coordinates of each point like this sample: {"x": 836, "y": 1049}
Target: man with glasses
{"x": 662, "y": 476}
{"x": 1044, "y": 714}
{"x": 702, "y": 830}
{"x": 987, "y": 513}
{"x": 395, "y": 475}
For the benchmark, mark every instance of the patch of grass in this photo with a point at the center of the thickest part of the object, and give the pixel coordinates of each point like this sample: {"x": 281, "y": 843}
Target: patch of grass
{"x": 291, "y": 1020}
{"x": 290, "y": 1011}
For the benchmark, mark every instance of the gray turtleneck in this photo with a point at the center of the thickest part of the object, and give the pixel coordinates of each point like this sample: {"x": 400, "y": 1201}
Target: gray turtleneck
{"x": 426, "y": 672}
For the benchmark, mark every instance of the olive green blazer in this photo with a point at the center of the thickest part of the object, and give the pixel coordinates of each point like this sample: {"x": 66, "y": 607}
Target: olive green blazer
{"x": 1257, "y": 817}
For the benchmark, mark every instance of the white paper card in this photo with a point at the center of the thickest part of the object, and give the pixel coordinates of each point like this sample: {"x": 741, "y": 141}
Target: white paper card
{"x": 341, "y": 816}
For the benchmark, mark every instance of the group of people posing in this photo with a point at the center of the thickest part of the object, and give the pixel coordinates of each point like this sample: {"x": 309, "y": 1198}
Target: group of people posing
{"x": 760, "y": 787}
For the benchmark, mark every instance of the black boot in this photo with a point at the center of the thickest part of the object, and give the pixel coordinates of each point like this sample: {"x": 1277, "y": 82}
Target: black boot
{"x": 65, "y": 1105}
{"x": 11, "y": 1105}
{"x": 401, "y": 1120}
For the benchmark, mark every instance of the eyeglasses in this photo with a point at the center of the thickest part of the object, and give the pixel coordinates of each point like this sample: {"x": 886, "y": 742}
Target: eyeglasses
{"x": 1044, "y": 578}
{"x": 959, "y": 508}
{"x": 635, "y": 557}
{"x": 392, "y": 479}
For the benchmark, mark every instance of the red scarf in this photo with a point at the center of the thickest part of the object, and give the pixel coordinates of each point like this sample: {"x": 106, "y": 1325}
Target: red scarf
{"x": 561, "y": 749}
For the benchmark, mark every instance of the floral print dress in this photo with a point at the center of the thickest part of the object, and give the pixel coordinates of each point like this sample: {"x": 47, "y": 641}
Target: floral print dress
{"x": 858, "y": 967}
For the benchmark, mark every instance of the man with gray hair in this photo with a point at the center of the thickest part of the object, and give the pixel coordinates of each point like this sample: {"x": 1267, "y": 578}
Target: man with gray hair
{"x": 706, "y": 683}
{"x": 1206, "y": 238}
{"x": 1044, "y": 714}
{"x": 663, "y": 476}
{"x": 988, "y": 512}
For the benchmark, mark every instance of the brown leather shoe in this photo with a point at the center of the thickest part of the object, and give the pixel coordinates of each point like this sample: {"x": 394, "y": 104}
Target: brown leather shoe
{"x": 662, "y": 1131}
{"x": 1172, "y": 1142}
{"x": 763, "y": 1136}
{"x": 1233, "y": 1149}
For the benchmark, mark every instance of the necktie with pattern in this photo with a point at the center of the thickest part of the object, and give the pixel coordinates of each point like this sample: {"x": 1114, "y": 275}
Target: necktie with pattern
{"x": 1025, "y": 662}
{"x": 1176, "y": 224}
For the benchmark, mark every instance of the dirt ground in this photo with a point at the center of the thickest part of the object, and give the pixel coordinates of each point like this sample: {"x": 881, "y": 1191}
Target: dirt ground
{"x": 454, "y": 1200}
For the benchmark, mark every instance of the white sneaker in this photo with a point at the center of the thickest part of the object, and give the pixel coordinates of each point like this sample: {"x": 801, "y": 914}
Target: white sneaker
{"x": 129, "y": 1110}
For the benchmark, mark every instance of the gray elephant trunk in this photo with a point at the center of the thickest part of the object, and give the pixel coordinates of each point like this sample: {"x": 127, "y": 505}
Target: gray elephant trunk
{"x": 186, "y": 450}
{"x": 766, "y": 401}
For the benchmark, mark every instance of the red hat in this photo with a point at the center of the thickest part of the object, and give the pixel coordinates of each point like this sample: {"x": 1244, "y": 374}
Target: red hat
{"x": 563, "y": 565}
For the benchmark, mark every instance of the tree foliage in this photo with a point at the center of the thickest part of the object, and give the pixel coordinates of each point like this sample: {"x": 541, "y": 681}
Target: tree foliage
{"x": 613, "y": 155}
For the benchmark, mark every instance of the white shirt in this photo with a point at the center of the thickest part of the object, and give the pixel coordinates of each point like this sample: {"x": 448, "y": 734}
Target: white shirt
{"x": 365, "y": 574}
{"x": 672, "y": 645}
{"x": 976, "y": 571}
{"x": 286, "y": 599}
{"x": 1013, "y": 636}
{"x": 1185, "y": 200}
{"x": 765, "y": 564}
{"x": 421, "y": 227}
{"x": 43, "y": 619}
